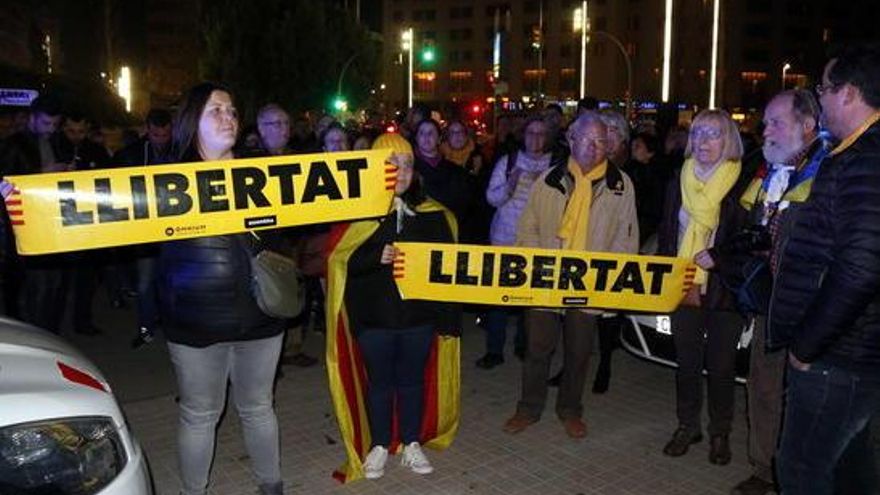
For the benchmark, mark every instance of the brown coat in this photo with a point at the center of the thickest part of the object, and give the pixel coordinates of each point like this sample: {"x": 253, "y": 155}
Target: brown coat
{"x": 613, "y": 224}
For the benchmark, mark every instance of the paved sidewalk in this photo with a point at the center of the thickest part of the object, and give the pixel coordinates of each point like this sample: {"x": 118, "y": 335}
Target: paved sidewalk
{"x": 621, "y": 454}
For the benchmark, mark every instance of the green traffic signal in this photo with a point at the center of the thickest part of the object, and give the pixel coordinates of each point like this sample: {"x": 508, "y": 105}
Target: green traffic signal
{"x": 339, "y": 104}
{"x": 428, "y": 54}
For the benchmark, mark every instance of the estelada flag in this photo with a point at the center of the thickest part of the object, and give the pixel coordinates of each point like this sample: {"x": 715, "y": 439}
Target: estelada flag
{"x": 347, "y": 374}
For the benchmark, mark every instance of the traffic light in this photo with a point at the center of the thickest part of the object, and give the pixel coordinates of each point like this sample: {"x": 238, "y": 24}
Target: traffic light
{"x": 428, "y": 54}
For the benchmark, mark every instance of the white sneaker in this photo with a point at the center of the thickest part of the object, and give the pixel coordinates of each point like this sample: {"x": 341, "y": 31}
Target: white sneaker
{"x": 415, "y": 459}
{"x": 374, "y": 464}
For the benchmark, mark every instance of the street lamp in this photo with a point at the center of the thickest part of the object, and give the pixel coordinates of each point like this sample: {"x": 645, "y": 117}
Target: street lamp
{"x": 713, "y": 75}
{"x": 784, "y": 70}
{"x": 667, "y": 51}
{"x": 581, "y": 23}
{"x": 406, "y": 43}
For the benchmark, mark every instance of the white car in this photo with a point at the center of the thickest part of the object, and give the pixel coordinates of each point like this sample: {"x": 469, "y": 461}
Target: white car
{"x": 61, "y": 430}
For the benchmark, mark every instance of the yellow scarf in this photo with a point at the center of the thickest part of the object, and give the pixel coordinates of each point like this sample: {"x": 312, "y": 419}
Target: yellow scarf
{"x": 459, "y": 156}
{"x": 575, "y": 225}
{"x": 702, "y": 202}
{"x": 846, "y": 143}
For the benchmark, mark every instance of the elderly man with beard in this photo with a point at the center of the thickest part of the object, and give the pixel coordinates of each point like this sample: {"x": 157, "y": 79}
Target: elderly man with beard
{"x": 792, "y": 150}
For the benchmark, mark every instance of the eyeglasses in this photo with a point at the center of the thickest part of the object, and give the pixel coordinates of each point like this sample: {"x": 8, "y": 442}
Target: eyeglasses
{"x": 705, "y": 133}
{"x": 823, "y": 88}
{"x": 596, "y": 141}
{"x": 274, "y": 123}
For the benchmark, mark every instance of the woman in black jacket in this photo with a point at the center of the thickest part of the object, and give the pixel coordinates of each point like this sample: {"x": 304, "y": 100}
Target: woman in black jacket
{"x": 394, "y": 336}
{"x": 441, "y": 179}
{"x": 216, "y": 332}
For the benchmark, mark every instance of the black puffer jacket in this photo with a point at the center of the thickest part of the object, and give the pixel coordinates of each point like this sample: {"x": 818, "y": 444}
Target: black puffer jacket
{"x": 205, "y": 293}
{"x": 826, "y": 298}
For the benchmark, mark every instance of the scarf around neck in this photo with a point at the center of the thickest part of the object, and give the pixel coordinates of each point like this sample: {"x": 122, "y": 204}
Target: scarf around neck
{"x": 575, "y": 226}
{"x": 702, "y": 202}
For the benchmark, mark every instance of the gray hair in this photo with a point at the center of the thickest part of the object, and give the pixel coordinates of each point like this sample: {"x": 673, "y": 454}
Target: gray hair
{"x": 615, "y": 120}
{"x": 803, "y": 104}
{"x": 582, "y": 121}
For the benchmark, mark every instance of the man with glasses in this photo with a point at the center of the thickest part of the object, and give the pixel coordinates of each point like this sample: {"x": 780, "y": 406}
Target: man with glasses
{"x": 584, "y": 204}
{"x": 273, "y": 125}
{"x": 825, "y": 307}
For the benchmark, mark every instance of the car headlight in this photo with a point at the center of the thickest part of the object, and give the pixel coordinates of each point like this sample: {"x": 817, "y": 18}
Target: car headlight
{"x": 71, "y": 456}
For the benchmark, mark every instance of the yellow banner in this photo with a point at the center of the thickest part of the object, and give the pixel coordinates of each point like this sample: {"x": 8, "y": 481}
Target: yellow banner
{"x": 541, "y": 277}
{"x": 69, "y": 211}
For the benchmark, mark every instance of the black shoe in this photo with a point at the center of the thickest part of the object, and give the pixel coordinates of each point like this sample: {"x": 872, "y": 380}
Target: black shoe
{"x": 753, "y": 486}
{"x": 520, "y": 353}
{"x": 556, "y": 380}
{"x": 719, "y": 450}
{"x": 681, "y": 441}
{"x": 89, "y": 330}
{"x": 143, "y": 337}
{"x": 490, "y": 361}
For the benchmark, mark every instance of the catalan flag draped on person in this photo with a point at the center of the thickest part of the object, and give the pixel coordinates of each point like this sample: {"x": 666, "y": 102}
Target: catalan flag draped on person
{"x": 345, "y": 366}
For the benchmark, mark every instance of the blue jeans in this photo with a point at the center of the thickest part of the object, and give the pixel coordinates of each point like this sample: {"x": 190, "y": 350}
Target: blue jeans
{"x": 202, "y": 376}
{"x": 496, "y": 329}
{"x": 147, "y": 281}
{"x": 395, "y": 361}
{"x": 827, "y": 408}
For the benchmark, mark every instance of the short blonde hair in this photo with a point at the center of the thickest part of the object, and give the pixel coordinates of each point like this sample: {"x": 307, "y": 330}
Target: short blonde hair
{"x": 733, "y": 146}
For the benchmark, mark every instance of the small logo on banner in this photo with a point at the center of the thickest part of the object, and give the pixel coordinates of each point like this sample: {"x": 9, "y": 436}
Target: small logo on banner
{"x": 515, "y": 299}
{"x": 268, "y": 221}
{"x": 574, "y": 301}
{"x": 169, "y": 231}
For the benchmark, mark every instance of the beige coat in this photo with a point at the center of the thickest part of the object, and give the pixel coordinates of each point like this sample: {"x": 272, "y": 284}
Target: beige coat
{"x": 613, "y": 224}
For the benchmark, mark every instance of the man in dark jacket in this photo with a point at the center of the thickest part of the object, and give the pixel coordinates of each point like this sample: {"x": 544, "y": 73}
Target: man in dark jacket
{"x": 33, "y": 290}
{"x": 154, "y": 148}
{"x": 826, "y": 299}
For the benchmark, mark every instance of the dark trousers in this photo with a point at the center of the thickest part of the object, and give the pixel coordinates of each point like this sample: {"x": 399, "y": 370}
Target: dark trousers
{"x": 44, "y": 295}
{"x": 496, "y": 329}
{"x": 705, "y": 338}
{"x": 395, "y": 361}
{"x": 765, "y": 390}
{"x": 542, "y": 334}
{"x": 827, "y": 413}
{"x": 148, "y": 296}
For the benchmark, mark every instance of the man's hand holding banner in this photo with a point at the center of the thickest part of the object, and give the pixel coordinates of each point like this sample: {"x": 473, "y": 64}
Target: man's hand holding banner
{"x": 541, "y": 277}
{"x": 70, "y": 211}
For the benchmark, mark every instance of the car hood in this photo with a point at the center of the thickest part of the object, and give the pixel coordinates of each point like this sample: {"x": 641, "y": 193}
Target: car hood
{"x": 44, "y": 377}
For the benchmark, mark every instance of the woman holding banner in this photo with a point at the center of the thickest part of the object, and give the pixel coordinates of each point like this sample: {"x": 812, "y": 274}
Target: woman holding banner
{"x": 216, "y": 332}
{"x": 508, "y": 191}
{"x": 411, "y": 362}
{"x": 701, "y": 211}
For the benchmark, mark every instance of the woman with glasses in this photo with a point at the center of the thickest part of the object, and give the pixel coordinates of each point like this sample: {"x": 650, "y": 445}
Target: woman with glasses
{"x": 701, "y": 211}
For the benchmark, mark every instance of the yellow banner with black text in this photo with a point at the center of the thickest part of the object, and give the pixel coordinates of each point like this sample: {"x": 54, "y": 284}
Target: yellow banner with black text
{"x": 70, "y": 211}
{"x": 541, "y": 277}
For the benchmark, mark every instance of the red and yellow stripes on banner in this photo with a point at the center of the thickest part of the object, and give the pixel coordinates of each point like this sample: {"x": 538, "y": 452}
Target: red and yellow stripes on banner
{"x": 70, "y": 211}
{"x": 346, "y": 372}
{"x": 519, "y": 276}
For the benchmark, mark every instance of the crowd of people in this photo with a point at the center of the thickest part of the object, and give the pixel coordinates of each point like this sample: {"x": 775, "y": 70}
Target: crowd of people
{"x": 783, "y": 234}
